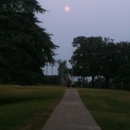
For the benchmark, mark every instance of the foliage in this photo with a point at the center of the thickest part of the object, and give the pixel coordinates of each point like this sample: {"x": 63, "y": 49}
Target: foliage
{"x": 24, "y": 46}
{"x": 95, "y": 56}
{"x": 62, "y": 68}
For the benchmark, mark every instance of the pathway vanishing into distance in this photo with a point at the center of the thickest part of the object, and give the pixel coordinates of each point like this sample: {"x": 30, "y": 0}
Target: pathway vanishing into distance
{"x": 71, "y": 114}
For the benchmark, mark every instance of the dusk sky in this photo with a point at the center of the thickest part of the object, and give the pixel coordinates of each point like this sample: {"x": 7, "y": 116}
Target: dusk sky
{"x": 106, "y": 18}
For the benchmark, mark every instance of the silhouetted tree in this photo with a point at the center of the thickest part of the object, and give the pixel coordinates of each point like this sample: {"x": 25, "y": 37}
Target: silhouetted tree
{"x": 85, "y": 57}
{"x": 62, "y": 68}
{"x": 95, "y": 56}
{"x": 24, "y": 46}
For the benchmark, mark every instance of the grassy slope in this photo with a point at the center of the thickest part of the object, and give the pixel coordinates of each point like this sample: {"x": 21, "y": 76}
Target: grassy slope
{"x": 111, "y": 109}
{"x": 27, "y": 108}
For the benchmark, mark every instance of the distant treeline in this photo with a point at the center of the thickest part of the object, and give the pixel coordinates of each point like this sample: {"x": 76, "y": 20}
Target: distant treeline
{"x": 97, "y": 56}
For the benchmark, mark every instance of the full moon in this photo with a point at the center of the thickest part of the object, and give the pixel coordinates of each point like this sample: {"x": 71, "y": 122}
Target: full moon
{"x": 67, "y": 8}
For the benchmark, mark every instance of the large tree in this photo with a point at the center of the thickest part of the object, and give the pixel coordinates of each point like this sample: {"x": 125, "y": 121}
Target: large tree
{"x": 85, "y": 57}
{"x": 109, "y": 61}
{"x": 24, "y": 46}
{"x": 95, "y": 56}
{"x": 123, "y": 74}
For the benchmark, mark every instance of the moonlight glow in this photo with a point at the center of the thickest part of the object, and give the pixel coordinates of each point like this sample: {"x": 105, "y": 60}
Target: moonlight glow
{"x": 67, "y": 8}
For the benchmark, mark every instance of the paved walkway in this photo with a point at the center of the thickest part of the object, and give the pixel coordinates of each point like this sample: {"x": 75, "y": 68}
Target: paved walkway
{"x": 71, "y": 114}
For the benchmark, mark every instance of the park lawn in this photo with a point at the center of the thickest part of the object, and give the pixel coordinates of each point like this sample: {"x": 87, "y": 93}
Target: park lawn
{"x": 110, "y": 108}
{"x": 27, "y": 108}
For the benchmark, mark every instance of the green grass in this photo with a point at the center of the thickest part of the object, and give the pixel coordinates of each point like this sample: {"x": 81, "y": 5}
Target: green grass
{"x": 110, "y": 108}
{"x": 27, "y": 108}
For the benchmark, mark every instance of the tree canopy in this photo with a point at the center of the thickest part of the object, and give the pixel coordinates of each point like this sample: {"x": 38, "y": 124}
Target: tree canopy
{"x": 97, "y": 56}
{"x": 24, "y": 46}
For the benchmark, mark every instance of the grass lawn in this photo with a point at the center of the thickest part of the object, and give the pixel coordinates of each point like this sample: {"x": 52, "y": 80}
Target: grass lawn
{"x": 110, "y": 108}
{"x": 27, "y": 108}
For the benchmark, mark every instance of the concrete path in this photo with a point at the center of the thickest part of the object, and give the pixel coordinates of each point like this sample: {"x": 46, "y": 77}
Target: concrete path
{"x": 71, "y": 114}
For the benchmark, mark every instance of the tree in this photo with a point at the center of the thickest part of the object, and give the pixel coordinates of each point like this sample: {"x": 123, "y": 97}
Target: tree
{"x": 85, "y": 57}
{"x": 123, "y": 74}
{"x": 63, "y": 72}
{"x": 25, "y": 47}
{"x": 95, "y": 56}
{"x": 109, "y": 61}
{"x": 62, "y": 68}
